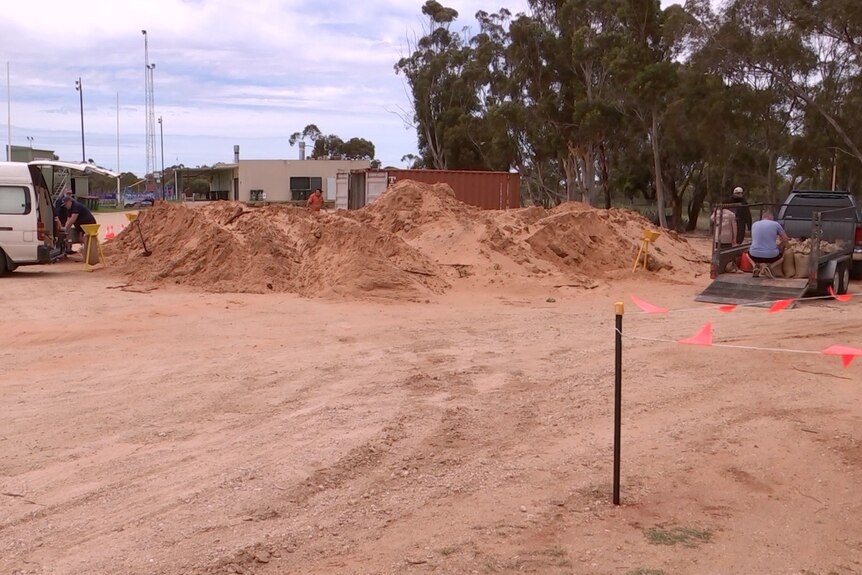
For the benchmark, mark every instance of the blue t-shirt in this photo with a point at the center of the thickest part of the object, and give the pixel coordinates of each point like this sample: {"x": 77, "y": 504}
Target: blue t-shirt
{"x": 764, "y": 234}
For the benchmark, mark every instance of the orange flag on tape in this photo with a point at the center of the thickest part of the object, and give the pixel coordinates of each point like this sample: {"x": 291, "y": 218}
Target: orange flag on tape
{"x": 848, "y": 354}
{"x": 703, "y": 337}
{"x": 845, "y": 297}
{"x": 646, "y": 306}
{"x": 727, "y": 308}
{"x": 781, "y": 305}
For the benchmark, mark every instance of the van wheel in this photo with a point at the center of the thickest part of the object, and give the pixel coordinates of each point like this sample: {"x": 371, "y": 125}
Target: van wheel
{"x": 3, "y": 265}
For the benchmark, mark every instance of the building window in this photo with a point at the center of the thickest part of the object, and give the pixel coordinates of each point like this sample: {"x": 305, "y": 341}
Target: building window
{"x": 301, "y": 187}
{"x": 14, "y": 200}
{"x": 257, "y": 196}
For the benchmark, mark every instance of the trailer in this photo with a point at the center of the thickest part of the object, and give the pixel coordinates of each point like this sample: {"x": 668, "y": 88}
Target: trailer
{"x": 818, "y": 216}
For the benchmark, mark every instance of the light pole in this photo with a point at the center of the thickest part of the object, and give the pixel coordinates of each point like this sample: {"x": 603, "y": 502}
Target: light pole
{"x": 148, "y": 111}
{"x": 30, "y": 139}
{"x": 162, "y": 146}
{"x": 80, "y": 88}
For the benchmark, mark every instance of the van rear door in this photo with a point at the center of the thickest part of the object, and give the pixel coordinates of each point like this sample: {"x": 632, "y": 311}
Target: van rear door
{"x": 45, "y": 224}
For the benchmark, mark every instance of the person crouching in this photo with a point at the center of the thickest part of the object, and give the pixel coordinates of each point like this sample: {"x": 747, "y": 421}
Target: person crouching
{"x": 77, "y": 215}
{"x": 764, "y": 250}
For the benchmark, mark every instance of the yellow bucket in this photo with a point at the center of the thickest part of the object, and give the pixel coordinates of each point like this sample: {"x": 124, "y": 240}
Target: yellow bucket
{"x": 91, "y": 229}
{"x": 92, "y": 254}
{"x": 651, "y": 236}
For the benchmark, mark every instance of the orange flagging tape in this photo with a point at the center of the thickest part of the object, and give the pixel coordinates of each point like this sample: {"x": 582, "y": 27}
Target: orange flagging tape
{"x": 778, "y": 305}
{"x": 848, "y": 354}
{"x": 646, "y": 306}
{"x": 845, "y": 297}
{"x": 703, "y": 337}
{"x": 781, "y": 305}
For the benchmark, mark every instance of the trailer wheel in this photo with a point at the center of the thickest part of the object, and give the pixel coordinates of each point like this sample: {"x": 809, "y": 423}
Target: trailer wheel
{"x": 841, "y": 279}
{"x": 856, "y": 271}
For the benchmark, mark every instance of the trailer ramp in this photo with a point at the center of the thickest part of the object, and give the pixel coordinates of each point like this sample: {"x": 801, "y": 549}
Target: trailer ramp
{"x": 742, "y": 289}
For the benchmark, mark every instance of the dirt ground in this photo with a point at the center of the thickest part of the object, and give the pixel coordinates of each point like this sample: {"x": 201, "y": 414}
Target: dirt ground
{"x": 163, "y": 430}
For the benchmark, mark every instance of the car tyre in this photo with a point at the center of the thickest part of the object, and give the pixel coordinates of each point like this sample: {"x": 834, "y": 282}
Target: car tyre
{"x": 3, "y": 263}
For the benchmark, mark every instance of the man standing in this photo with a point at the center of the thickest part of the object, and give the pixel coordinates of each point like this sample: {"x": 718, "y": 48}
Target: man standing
{"x": 79, "y": 216}
{"x": 315, "y": 200}
{"x": 742, "y": 212}
{"x": 724, "y": 221}
{"x": 724, "y": 237}
{"x": 764, "y": 250}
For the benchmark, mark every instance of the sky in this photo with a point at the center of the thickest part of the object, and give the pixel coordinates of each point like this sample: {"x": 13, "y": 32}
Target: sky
{"x": 227, "y": 73}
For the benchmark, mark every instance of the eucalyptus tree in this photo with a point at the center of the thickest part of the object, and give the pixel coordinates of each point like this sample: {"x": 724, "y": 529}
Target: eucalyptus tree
{"x": 812, "y": 49}
{"x": 444, "y": 92}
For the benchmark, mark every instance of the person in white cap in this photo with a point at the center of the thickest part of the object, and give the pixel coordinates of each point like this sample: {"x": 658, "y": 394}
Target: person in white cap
{"x": 742, "y": 213}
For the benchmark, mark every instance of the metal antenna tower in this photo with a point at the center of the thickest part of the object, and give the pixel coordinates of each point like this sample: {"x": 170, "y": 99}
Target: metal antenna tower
{"x": 150, "y": 114}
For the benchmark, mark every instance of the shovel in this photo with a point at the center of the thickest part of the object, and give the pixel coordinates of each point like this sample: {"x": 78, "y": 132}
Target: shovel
{"x": 133, "y": 219}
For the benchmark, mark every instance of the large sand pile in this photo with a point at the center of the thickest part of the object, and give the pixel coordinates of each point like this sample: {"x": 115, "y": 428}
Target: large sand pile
{"x": 275, "y": 248}
{"x": 415, "y": 240}
{"x": 574, "y": 242}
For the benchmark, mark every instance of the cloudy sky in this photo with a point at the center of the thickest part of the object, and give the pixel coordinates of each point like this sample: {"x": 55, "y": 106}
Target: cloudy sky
{"x": 227, "y": 72}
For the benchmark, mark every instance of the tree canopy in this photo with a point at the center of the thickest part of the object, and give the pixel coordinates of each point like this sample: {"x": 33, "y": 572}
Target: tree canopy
{"x": 332, "y": 147}
{"x": 605, "y": 101}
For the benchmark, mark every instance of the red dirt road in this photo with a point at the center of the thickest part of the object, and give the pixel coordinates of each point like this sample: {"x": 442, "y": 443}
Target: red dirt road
{"x": 175, "y": 432}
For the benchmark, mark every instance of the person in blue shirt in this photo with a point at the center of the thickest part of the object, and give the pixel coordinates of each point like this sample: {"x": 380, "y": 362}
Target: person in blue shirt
{"x": 764, "y": 249}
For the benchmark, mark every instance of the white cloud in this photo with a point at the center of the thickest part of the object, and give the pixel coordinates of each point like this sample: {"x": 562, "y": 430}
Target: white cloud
{"x": 227, "y": 72}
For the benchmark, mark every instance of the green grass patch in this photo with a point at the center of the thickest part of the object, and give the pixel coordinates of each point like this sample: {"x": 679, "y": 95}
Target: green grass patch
{"x": 686, "y": 536}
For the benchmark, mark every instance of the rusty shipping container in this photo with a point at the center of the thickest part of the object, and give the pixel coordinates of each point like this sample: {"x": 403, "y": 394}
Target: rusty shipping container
{"x": 486, "y": 190}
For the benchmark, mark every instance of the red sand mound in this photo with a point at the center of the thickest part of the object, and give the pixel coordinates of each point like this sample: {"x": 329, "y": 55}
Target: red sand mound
{"x": 273, "y": 248}
{"x": 579, "y": 243}
{"x": 413, "y": 241}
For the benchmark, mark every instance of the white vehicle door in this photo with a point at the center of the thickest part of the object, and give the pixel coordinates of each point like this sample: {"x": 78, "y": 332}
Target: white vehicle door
{"x": 18, "y": 223}
{"x": 80, "y": 167}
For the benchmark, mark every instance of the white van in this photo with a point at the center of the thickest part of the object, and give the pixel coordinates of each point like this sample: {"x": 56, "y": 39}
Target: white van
{"x": 27, "y": 213}
{"x": 26, "y": 217}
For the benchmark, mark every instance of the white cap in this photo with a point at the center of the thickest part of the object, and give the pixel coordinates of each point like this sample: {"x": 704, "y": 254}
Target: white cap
{"x": 737, "y": 191}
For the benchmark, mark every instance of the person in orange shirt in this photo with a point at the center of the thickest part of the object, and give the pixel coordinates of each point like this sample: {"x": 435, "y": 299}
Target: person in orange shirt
{"x": 315, "y": 200}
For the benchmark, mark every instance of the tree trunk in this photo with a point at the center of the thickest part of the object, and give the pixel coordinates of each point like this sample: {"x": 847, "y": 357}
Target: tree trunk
{"x": 659, "y": 184}
{"x": 589, "y": 176}
{"x": 436, "y": 152}
{"x": 570, "y": 168}
{"x": 603, "y": 175}
{"x": 771, "y": 189}
{"x": 581, "y": 180}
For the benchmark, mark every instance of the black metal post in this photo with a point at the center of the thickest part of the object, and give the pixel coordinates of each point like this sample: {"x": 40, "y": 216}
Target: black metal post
{"x": 619, "y": 309}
